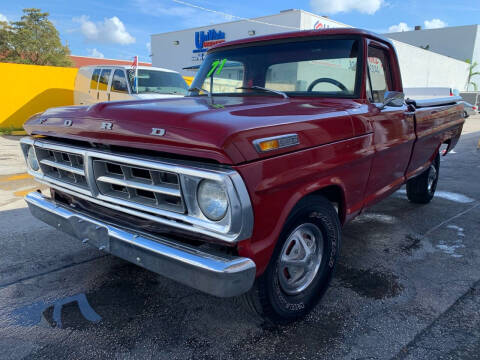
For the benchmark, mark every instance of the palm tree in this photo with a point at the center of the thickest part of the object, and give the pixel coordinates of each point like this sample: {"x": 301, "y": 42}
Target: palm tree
{"x": 471, "y": 74}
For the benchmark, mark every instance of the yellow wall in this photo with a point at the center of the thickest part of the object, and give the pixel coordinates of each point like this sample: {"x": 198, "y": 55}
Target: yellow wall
{"x": 28, "y": 89}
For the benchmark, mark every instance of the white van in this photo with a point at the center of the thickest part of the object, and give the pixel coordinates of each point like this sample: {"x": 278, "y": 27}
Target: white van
{"x": 117, "y": 82}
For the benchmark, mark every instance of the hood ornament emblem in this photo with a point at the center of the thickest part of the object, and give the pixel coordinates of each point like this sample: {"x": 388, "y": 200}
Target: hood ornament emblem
{"x": 158, "y": 132}
{"x": 67, "y": 123}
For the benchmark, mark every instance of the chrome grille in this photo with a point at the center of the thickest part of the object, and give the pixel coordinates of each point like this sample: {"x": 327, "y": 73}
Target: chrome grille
{"x": 154, "y": 188}
{"x": 159, "y": 190}
{"x": 117, "y": 181}
{"x": 63, "y": 166}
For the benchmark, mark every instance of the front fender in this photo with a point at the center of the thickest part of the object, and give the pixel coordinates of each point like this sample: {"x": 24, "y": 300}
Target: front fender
{"x": 275, "y": 186}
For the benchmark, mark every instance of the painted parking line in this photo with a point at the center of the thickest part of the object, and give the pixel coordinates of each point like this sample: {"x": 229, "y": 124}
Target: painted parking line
{"x": 6, "y": 178}
{"x": 23, "y": 193}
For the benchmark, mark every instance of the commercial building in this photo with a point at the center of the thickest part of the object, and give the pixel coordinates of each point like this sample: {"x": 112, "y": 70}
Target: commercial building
{"x": 458, "y": 42}
{"x": 180, "y": 50}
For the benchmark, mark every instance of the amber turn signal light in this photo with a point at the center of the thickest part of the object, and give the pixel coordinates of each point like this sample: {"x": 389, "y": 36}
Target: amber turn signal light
{"x": 275, "y": 142}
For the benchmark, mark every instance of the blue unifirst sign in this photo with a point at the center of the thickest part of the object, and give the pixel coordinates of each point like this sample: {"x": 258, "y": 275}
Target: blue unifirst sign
{"x": 205, "y": 40}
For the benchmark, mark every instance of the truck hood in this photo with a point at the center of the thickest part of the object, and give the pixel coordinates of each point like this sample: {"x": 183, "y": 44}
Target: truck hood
{"x": 221, "y": 128}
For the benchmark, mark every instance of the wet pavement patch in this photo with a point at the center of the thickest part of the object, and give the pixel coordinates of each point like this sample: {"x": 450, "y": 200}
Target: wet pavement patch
{"x": 369, "y": 283}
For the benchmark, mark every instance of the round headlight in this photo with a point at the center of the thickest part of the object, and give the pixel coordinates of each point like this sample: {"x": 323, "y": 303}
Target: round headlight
{"x": 32, "y": 159}
{"x": 212, "y": 199}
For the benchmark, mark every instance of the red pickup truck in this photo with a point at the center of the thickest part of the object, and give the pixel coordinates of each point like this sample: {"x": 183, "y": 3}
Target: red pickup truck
{"x": 242, "y": 187}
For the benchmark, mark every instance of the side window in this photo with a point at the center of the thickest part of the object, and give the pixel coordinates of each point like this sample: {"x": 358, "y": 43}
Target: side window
{"x": 119, "y": 82}
{"x": 103, "y": 82}
{"x": 94, "y": 81}
{"x": 379, "y": 72}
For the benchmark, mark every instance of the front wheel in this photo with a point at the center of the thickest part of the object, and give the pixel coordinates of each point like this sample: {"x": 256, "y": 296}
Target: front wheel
{"x": 421, "y": 189}
{"x": 302, "y": 263}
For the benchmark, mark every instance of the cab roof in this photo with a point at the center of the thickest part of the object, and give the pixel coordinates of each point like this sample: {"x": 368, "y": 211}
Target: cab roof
{"x": 304, "y": 33}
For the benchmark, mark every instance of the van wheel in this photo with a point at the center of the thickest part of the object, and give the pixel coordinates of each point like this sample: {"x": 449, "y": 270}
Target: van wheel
{"x": 421, "y": 189}
{"x": 301, "y": 266}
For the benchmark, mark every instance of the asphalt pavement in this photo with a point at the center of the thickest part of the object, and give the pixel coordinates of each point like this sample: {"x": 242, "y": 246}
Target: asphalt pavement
{"x": 407, "y": 287}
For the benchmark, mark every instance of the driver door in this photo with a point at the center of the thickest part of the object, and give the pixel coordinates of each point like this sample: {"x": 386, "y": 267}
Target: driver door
{"x": 394, "y": 132}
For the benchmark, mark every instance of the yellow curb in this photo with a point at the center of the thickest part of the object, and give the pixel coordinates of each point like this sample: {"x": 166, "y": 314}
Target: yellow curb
{"x": 18, "y": 177}
{"x": 18, "y": 133}
{"x": 23, "y": 193}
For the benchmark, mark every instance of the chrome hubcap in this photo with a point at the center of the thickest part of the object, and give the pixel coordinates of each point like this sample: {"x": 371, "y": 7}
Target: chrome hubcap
{"x": 432, "y": 176}
{"x": 300, "y": 258}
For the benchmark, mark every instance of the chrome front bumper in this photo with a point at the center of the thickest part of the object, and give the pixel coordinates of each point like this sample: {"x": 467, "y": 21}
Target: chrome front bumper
{"x": 216, "y": 275}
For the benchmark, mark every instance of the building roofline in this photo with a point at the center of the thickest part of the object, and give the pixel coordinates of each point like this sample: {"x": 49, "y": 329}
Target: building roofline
{"x": 323, "y": 17}
{"x": 140, "y": 67}
{"x": 254, "y": 19}
{"x": 108, "y": 59}
{"x": 232, "y": 22}
{"x": 438, "y": 29}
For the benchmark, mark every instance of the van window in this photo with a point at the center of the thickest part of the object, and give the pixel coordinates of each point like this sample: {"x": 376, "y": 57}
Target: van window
{"x": 380, "y": 75}
{"x": 103, "y": 82}
{"x": 156, "y": 82}
{"x": 119, "y": 82}
{"x": 94, "y": 81}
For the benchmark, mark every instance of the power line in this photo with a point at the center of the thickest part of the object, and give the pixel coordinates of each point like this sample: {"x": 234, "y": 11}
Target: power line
{"x": 233, "y": 16}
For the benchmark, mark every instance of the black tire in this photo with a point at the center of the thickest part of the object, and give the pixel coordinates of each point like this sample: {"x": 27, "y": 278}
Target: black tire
{"x": 421, "y": 189}
{"x": 268, "y": 298}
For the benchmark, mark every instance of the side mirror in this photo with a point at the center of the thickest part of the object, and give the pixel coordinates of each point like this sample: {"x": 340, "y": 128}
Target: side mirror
{"x": 392, "y": 98}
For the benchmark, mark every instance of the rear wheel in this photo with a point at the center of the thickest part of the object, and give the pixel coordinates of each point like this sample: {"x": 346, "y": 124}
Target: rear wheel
{"x": 421, "y": 189}
{"x": 302, "y": 264}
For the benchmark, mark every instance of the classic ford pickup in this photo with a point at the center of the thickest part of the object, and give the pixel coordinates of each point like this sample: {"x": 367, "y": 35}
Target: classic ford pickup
{"x": 242, "y": 187}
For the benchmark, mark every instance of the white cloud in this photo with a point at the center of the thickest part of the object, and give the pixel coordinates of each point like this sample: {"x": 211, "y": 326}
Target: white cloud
{"x": 399, "y": 27}
{"x": 149, "y": 47}
{"x": 434, "y": 24}
{"x": 3, "y": 17}
{"x": 111, "y": 30}
{"x": 95, "y": 53}
{"x": 337, "y": 6}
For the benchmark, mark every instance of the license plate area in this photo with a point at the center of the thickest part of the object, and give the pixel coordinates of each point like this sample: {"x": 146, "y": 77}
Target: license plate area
{"x": 91, "y": 233}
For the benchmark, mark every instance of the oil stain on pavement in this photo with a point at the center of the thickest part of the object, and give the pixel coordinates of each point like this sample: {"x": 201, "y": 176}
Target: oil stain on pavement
{"x": 369, "y": 283}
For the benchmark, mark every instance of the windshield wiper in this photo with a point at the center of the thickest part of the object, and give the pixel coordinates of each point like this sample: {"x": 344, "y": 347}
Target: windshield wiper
{"x": 197, "y": 90}
{"x": 281, "y": 93}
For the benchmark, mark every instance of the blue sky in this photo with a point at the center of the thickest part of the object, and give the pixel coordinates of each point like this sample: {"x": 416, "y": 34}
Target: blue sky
{"x": 121, "y": 29}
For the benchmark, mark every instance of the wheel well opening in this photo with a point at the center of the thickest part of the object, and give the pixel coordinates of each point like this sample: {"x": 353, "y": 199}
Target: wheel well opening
{"x": 334, "y": 194}
{"x": 445, "y": 147}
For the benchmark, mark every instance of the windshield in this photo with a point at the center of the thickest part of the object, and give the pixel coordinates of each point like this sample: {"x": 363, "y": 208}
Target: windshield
{"x": 325, "y": 67}
{"x": 158, "y": 82}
